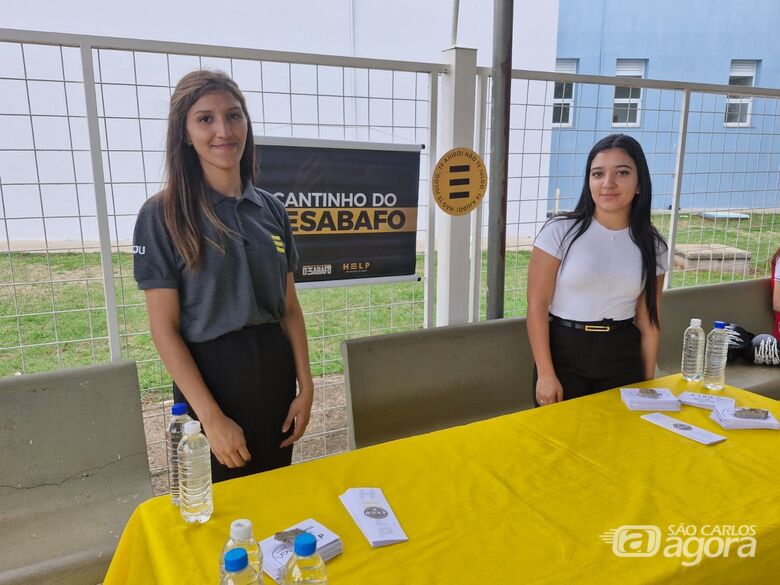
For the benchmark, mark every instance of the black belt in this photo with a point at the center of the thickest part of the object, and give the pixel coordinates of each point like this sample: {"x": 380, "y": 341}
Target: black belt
{"x": 604, "y": 326}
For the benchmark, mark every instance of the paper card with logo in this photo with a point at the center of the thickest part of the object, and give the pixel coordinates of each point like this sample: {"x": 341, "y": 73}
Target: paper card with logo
{"x": 373, "y": 515}
{"x": 708, "y": 401}
{"x": 693, "y": 432}
{"x": 735, "y": 417}
{"x": 278, "y": 548}
{"x": 649, "y": 399}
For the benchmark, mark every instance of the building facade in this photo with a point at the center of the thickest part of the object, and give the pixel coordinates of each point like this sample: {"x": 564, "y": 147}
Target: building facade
{"x": 732, "y": 148}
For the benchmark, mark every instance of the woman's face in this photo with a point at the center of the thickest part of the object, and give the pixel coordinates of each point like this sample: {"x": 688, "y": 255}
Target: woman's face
{"x": 614, "y": 183}
{"x": 216, "y": 126}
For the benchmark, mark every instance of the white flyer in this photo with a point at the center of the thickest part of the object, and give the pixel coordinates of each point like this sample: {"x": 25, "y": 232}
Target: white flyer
{"x": 277, "y": 549}
{"x": 707, "y": 401}
{"x": 683, "y": 428}
{"x": 373, "y": 515}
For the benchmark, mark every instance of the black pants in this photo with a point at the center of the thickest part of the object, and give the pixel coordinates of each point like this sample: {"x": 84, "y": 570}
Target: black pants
{"x": 251, "y": 374}
{"x": 587, "y": 362}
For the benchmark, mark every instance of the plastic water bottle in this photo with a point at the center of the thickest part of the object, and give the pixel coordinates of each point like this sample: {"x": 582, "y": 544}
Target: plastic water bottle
{"x": 715, "y": 357}
{"x": 692, "y": 366}
{"x": 241, "y": 537}
{"x": 195, "y": 501}
{"x": 238, "y": 571}
{"x": 305, "y": 565}
{"x": 173, "y": 435}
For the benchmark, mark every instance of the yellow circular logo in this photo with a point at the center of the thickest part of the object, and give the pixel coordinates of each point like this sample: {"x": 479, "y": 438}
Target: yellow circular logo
{"x": 459, "y": 181}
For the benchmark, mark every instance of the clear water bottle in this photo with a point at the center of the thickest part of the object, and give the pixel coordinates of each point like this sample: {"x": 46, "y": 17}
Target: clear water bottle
{"x": 692, "y": 367}
{"x": 305, "y": 565}
{"x": 715, "y": 357}
{"x": 173, "y": 435}
{"x": 241, "y": 537}
{"x": 195, "y": 501}
{"x": 237, "y": 569}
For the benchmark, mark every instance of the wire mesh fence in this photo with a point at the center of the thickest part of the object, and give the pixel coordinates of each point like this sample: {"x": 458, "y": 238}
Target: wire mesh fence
{"x": 725, "y": 224}
{"x": 66, "y": 229}
{"x": 53, "y": 309}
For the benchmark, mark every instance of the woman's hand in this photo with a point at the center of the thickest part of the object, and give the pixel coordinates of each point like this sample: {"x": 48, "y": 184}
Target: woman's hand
{"x": 299, "y": 412}
{"x": 548, "y": 390}
{"x": 227, "y": 441}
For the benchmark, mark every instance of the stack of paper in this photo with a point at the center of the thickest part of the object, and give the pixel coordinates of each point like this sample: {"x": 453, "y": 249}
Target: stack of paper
{"x": 373, "y": 515}
{"x": 735, "y": 417}
{"x": 707, "y": 401}
{"x": 278, "y": 548}
{"x": 649, "y": 399}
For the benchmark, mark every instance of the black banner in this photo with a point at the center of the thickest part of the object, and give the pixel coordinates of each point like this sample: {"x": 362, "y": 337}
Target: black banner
{"x": 353, "y": 211}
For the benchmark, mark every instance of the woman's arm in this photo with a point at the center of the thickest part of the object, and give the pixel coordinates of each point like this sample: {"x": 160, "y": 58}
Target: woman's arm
{"x": 651, "y": 334}
{"x": 225, "y": 436}
{"x": 295, "y": 328}
{"x": 542, "y": 272}
{"x": 776, "y": 298}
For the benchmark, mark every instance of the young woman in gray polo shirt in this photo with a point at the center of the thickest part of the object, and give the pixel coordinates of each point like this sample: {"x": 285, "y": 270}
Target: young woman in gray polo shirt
{"x": 595, "y": 279}
{"x": 214, "y": 256}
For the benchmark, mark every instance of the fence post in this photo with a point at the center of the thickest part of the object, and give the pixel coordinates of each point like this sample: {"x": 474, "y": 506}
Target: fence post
{"x": 476, "y": 223}
{"x": 678, "y": 175}
{"x": 430, "y": 242}
{"x": 452, "y": 280}
{"x": 101, "y": 208}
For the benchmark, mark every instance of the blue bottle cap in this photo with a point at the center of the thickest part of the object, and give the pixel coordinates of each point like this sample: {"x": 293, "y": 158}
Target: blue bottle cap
{"x": 178, "y": 409}
{"x": 305, "y": 544}
{"x": 720, "y": 324}
{"x": 236, "y": 560}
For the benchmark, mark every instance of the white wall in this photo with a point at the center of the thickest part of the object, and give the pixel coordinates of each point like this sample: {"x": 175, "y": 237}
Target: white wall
{"x": 415, "y": 30}
{"x": 407, "y": 30}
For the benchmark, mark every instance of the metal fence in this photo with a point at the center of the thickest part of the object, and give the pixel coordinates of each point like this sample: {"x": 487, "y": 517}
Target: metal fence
{"x": 82, "y": 128}
{"x": 82, "y": 123}
{"x": 716, "y": 183}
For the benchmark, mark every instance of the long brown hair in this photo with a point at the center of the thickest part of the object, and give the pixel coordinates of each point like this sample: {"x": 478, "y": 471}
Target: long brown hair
{"x": 185, "y": 196}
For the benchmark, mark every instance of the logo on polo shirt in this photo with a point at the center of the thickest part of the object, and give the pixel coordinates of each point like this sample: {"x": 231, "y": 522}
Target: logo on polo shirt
{"x": 278, "y": 243}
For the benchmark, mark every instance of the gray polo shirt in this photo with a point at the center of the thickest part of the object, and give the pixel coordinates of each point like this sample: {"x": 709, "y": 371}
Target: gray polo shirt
{"x": 244, "y": 286}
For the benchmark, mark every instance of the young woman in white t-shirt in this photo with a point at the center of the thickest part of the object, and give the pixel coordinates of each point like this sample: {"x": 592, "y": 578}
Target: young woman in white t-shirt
{"x": 594, "y": 281}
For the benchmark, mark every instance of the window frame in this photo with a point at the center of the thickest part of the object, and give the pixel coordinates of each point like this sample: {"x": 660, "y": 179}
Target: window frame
{"x": 635, "y": 69}
{"x": 739, "y": 68}
{"x": 567, "y": 104}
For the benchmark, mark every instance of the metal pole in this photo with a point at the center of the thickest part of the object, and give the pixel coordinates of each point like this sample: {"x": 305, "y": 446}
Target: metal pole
{"x": 503, "y": 18}
{"x": 678, "y": 177}
{"x": 455, "y": 12}
{"x": 101, "y": 207}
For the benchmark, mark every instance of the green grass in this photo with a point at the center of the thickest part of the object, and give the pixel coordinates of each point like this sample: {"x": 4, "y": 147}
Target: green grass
{"x": 52, "y": 306}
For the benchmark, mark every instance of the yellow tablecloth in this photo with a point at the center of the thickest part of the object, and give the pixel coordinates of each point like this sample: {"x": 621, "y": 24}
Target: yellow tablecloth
{"x": 522, "y": 498}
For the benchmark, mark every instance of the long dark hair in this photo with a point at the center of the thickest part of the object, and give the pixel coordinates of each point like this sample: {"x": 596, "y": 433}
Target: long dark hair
{"x": 641, "y": 228}
{"x": 185, "y": 196}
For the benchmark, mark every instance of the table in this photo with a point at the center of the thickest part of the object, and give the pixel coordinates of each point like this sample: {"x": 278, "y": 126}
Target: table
{"x": 523, "y": 498}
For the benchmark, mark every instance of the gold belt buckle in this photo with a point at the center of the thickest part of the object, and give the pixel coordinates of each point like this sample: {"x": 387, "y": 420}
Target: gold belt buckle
{"x": 597, "y": 328}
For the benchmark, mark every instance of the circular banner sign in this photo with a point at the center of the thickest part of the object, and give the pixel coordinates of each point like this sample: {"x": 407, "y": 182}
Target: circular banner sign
{"x": 459, "y": 181}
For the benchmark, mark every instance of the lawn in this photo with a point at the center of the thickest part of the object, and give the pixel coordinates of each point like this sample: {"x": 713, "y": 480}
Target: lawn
{"x": 52, "y": 306}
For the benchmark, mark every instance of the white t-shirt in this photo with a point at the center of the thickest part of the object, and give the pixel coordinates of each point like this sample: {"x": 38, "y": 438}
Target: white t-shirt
{"x": 601, "y": 277}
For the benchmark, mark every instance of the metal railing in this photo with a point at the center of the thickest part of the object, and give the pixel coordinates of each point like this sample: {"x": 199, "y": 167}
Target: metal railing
{"x": 82, "y": 126}
{"x": 716, "y": 186}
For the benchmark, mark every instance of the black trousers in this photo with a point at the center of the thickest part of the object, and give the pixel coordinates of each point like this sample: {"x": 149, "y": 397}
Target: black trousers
{"x": 587, "y": 362}
{"x": 251, "y": 374}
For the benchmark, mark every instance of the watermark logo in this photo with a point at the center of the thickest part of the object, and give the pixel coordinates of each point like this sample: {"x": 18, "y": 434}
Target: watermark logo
{"x": 687, "y": 542}
{"x": 634, "y": 540}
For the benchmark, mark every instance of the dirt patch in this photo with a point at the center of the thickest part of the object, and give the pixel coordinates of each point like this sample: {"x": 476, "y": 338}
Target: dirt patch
{"x": 325, "y": 435}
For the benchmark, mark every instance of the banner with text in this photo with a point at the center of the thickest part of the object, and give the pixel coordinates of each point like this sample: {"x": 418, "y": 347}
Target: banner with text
{"x": 352, "y": 208}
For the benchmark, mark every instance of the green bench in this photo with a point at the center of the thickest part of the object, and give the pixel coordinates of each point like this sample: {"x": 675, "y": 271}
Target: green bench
{"x": 409, "y": 383}
{"x": 747, "y": 303}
